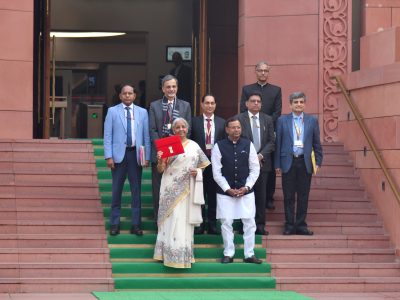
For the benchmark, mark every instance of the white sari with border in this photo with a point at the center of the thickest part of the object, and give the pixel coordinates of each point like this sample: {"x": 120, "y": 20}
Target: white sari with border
{"x": 174, "y": 245}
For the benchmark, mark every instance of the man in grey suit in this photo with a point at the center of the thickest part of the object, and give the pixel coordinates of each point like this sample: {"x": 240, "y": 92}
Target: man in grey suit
{"x": 126, "y": 130}
{"x": 258, "y": 127}
{"x": 208, "y": 129}
{"x": 297, "y": 134}
{"x": 162, "y": 113}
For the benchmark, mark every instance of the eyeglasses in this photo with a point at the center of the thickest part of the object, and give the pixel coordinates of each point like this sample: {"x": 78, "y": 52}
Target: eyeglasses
{"x": 262, "y": 70}
{"x": 255, "y": 101}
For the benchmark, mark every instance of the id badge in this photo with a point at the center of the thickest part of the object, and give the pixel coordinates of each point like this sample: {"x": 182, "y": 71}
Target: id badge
{"x": 169, "y": 125}
{"x": 209, "y": 146}
{"x": 298, "y": 144}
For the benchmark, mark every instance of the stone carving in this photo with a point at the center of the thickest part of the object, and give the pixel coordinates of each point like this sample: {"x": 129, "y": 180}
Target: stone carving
{"x": 334, "y": 61}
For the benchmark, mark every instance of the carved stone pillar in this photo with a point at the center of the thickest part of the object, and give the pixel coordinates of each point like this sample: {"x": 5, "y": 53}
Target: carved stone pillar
{"x": 335, "y": 24}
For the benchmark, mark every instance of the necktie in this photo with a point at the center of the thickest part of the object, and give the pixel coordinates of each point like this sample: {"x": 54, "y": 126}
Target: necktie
{"x": 170, "y": 110}
{"x": 128, "y": 127}
{"x": 256, "y": 136}
{"x": 208, "y": 136}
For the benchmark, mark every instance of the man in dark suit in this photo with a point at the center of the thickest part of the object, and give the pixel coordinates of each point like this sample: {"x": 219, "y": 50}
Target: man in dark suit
{"x": 297, "y": 134}
{"x": 259, "y": 128}
{"x": 162, "y": 113}
{"x": 208, "y": 129}
{"x": 183, "y": 73}
{"x": 126, "y": 129}
{"x": 272, "y": 106}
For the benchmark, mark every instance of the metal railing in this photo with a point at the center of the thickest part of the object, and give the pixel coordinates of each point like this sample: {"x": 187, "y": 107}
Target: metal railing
{"x": 367, "y": 135}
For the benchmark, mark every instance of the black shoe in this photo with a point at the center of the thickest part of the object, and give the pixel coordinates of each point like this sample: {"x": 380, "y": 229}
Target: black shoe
{"x": 135, "y": 229}
{"x": 252, "y": 260}
{"x": 304, "y": 232}
{"x": 262, "y": 231}
{"x": 288, "y": 232}
{"x": 114, "y": 230}
{"x": 212, "y": 229}
{"x": 270, "y": 205}
{"x": 199, "y": 229}
{"x": 226, "y": 260}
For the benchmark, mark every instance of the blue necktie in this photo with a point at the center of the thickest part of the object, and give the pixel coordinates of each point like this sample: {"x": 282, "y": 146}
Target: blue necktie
{"x": 128, "y": 127}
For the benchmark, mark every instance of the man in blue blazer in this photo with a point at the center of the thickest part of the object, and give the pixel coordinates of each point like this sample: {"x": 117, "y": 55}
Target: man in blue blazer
{"x": 126, "y": 130}
{"x": 297, "y": 134}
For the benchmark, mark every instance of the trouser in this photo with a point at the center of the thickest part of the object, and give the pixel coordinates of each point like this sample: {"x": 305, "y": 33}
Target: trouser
{"x": 128, "y": 166}
{"x": 155, "y": 185}
{"x": 296, "y": 182}
{"x": 249, "y": 228}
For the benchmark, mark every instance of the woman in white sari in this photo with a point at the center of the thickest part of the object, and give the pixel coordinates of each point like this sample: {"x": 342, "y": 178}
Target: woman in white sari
{"x": 174, "y": 245}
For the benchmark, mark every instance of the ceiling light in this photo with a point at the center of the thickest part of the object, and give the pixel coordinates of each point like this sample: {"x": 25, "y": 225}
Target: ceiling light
{"x": 84, "y": 34}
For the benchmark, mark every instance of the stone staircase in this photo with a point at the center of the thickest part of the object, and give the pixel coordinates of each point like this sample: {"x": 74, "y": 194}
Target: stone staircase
{"x": 349, "y": 251}
{"x": 52, "y": 236}
{"x": 132, "y": 260}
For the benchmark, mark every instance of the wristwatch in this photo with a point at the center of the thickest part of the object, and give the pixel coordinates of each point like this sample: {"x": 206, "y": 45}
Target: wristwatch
{"x": 248, "y": 188}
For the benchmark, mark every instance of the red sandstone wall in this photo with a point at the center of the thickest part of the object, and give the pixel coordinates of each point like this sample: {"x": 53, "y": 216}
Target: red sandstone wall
{"x": 285, "y": 34}
{"x": 375, "y": 90}
{"x": 379, "y": 15}
{"x": 16, "y": 68}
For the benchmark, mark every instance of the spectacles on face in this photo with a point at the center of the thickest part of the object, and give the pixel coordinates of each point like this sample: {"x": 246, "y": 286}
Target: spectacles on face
{"x": 254, "y": 101}
{"x": 262, "y": 71}
{"x": 298, "y": 102}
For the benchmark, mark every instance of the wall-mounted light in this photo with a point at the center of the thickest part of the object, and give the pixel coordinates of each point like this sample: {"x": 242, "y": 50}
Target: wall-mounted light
{"x": 84, "y": 34}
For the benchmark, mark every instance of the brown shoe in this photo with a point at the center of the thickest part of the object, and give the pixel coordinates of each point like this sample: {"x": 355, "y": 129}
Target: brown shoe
{"x": 252, "y": 260}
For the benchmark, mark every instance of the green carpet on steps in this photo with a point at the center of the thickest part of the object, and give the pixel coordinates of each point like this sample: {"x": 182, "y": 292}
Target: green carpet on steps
{"x": 131, "y": 256}
{"x": 200, "y": 295}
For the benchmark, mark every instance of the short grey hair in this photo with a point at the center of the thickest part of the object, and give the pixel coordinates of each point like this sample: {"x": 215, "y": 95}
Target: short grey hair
{"x": 180, "y": 120}
{"x": 297, "y": 95}
{"x": 168, "y": 78}
{"x": 260, "y": 63}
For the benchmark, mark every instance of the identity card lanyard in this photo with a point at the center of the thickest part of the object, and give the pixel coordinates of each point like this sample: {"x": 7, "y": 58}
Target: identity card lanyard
{"x": 208, "y": 136}
{"x": 298, "y": 143}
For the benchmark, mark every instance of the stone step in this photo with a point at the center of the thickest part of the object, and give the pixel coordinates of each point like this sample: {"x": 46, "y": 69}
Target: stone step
{"x": 336, "y": 269}
{"x": 330, "y": 214}
{"x": 51, "y": 165}
{"x": 322, "y": 227}
{"x": 331, "y": 255}
{"x": 61, "y": 177}
{"x": 328, "y": 241}
{"x": 59, "y": 213}
{"x": 336, "y": 284}
{"x": 350, "y": 202}
{"x": 58, "y": 201}
{"x": 55, "y": 270}
{"x": 53, "y": 240}
{"x": 329, "y": 191}
{"x": 63, "y": 190}
{"x": 54, "y": 227}
{"x": 54, "y": 255}
{"x": 55, "y": 285}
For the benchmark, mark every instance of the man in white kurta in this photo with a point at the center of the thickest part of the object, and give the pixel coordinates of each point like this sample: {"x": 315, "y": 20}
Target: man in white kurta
{"x": 235, "y": 169}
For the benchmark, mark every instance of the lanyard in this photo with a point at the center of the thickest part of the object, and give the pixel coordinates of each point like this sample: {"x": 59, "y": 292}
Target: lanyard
{"x": 298, "y": 128}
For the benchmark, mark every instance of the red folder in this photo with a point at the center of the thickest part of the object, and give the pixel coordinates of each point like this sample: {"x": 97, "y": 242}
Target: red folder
{"x": 170, "y": 146}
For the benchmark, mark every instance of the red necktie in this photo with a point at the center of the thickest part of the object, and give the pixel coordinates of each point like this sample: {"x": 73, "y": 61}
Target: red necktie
{"x": 208, "y": 137}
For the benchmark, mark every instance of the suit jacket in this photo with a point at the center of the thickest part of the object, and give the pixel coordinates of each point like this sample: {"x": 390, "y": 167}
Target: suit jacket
{"x": 156, "y": 120}
{"x": 267, "y": 138}
{"x": 271, "y": 99}
{"x": 115, "y": 132}
{"x": 199, "y": 136}
{"x": 285, "y": 140}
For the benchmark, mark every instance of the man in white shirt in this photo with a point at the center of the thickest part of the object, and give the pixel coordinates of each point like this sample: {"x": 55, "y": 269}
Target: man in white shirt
{"x": 236, "y": 168}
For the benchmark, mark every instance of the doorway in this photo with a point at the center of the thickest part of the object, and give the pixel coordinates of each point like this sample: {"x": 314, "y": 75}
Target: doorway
{"x": 140, "y": 56}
